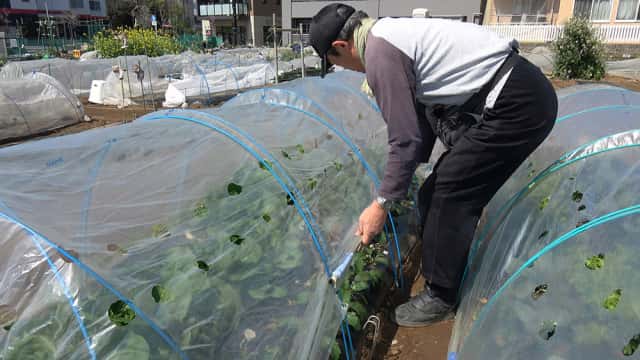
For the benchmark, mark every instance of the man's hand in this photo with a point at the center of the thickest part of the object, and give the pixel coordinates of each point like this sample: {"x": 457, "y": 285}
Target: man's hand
{"x": 371, "y": 222}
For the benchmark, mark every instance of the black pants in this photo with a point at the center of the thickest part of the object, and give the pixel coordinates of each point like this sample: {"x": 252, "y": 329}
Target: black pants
{"x": 468, "y": 175}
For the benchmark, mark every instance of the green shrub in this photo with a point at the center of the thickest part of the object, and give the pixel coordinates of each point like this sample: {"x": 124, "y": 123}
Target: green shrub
{"x": 284, "y": 54}
{"x": 578, "y": 53}
{"x": 139, "y": 42}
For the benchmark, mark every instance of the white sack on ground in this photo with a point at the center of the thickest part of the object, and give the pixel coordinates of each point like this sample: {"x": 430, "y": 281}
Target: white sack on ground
{"x": 123, "y": 91}
{"x": 89, "y": 55}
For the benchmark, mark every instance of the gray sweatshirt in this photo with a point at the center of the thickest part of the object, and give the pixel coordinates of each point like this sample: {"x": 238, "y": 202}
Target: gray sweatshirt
{"x": 414, "y": 63}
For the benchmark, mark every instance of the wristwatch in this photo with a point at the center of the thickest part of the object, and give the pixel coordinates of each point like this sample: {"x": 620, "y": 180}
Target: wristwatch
{"x": 383, "y": 202}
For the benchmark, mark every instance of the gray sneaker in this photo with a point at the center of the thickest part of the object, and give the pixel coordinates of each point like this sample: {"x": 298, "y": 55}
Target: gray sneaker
{"x": 423, "y": 309}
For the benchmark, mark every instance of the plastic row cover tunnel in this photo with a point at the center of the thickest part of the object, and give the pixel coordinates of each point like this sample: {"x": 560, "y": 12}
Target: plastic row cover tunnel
{"x": 551, "y": 270}
{"x": 188, "y": 234}
{"x": 34, "y": 104}
{"x": 78, "y": 75}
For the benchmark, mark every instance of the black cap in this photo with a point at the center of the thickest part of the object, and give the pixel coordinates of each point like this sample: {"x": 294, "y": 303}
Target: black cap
{"x": 325, "y": 28}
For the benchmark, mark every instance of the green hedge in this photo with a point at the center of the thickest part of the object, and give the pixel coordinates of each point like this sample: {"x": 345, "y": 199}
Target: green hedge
{"x": 139, "y": 42}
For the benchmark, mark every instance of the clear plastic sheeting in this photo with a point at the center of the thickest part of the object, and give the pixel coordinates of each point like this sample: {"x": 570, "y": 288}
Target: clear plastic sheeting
{"x": 589, "y": 97}
{"x": 217, "y": 79}
{"x": 187, "y": 234}
{"x": 540, "y": 56}
{"x": 550, "y": 268}
{"x": 78, "y": 75}
{"x": 625, "y": 68}
{"x": 74, "y": 75}
{"x": 178, "y": 77}
{"x": 34, "y": 104}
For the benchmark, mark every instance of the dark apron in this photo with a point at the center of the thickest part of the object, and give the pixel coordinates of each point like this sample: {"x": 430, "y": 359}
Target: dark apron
{"x": 449, "y": 122}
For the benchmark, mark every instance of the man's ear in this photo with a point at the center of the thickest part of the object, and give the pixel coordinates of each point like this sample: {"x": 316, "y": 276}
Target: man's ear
{"x": 340, "y": 45}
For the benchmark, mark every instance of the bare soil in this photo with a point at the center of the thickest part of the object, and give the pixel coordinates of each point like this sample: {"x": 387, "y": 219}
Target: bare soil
{"x": 100, "y": 116}
{"x": 427, "y": 343}
{"x": 609, "y": 79}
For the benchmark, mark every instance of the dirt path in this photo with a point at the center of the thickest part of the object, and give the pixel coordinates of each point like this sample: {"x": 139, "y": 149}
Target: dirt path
{"x": 105, "y": 116}
{"x": 609, "y": 79}
{"x": 428, "y": 343}
{"x": 99, "y": 115}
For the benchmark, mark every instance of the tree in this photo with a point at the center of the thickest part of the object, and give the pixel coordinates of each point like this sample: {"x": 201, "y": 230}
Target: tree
{"x": 579, "y": 52}
{"x": 127, "y": 13}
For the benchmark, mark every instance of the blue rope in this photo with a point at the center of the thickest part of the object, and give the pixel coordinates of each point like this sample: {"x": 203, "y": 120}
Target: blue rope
{"x": 344, "y": 339}
{"x": 555, "y": 243}
{"x": 167, "y": 339}
{"x": 346, "y": 335}
{"x": 393, "y": 228}
{"x": 351, "y": 348}
{"x": 391, "y": 256}
{"x": 266, "y": 165}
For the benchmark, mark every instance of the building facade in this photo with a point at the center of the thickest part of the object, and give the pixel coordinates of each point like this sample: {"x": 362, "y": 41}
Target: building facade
{"x": 295, "y": 12}
{"x": 38, "y": 18}
{"x": 83, "y": 9}
{"x": 557, "y": 12}
{"x": 253, "y": 19}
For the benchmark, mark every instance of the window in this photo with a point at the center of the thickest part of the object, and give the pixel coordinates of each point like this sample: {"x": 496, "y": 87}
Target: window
{"x": 94, "y": 5}
{"x": 628, "y": 10}
{"x": 76, "y": 4}
{"x": 523, "y": 11}
{"x": 596, "y": 10}
{"x": 222, "y": 8}
{"x": 530, "y": 11}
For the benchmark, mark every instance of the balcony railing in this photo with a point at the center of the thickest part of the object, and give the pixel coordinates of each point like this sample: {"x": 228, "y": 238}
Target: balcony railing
{"x": 520, "y": 18}
{"x": 610, "y": 34}
{"x": 222, "y": 9}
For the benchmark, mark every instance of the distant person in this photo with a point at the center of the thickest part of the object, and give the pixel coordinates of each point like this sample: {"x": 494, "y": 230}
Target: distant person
{"x": 463, "y": 84}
